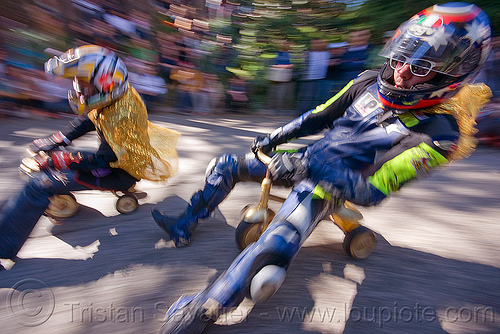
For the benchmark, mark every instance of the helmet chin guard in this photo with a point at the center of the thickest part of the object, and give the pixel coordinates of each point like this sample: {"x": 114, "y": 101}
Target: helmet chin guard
{"x": 454, "y": 37}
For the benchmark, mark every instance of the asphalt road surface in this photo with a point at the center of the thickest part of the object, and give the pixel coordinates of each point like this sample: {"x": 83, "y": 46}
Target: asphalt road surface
{"x": 436, "y": 268}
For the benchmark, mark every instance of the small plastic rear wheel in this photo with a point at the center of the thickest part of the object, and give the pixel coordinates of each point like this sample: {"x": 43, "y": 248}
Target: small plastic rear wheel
{"x": 62, "y": 206}
{"x": 360, "y": 242}
{"x": 127, "y": 204}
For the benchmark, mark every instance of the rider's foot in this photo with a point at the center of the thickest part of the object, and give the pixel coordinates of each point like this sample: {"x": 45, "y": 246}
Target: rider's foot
{"x": 181, "y": 237}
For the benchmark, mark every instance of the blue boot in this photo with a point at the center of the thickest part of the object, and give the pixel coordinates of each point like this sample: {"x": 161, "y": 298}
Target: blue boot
{"x": 181, "y": 228}
{"x": 219, "y": 182}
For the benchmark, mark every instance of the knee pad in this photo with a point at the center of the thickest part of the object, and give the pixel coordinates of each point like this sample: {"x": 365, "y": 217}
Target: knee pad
{"x": 266, "y": 282}
{"x": 220, "y": 178}
{"x": 273, "y": 256}
{"x": 225, "y": 166}
{"x": 210, "y": 168}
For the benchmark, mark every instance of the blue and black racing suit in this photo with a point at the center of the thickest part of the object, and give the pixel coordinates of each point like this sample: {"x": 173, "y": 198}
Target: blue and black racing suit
{"x": 366, "y": 154}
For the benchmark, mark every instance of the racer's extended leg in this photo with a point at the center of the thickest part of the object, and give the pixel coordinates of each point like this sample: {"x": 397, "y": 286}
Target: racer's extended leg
{"x": 254, "y": 272}
{"x": 228, "y": 170}
{"x": 21, "y": 213}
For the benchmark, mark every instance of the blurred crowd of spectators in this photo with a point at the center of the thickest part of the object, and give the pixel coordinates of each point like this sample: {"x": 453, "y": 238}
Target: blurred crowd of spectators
{"x": 163, "y": 60}
{"x": 173, "y": 58}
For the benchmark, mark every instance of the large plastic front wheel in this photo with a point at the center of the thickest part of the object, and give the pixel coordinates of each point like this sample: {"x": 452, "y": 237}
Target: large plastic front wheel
{"x": 360, "y": 242}
{"x": 247, "y": 233}
{"x": 255, "y": 221}
{"x": 62, "y": 206}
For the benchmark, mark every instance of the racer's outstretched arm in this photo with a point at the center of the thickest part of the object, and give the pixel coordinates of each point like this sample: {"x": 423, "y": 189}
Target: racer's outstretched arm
{"x": 84, "y": 161}
{"x": 77, "y": 128}
{"x": 319, "y": 118}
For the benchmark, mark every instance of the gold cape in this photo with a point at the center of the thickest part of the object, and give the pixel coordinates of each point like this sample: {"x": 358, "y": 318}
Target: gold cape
{"x": 464, "y": 106}
{"x": 144, "y": 150}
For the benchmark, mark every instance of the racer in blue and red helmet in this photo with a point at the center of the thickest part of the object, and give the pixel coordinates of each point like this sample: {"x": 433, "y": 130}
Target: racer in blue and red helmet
{"x": 381, "y": 131}
{"x": 451, "y": 40}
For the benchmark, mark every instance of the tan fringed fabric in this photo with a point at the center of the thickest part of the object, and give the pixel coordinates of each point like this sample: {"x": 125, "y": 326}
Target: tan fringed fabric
{"x": 144, "y": 150}
{"x": 464, "y": 106}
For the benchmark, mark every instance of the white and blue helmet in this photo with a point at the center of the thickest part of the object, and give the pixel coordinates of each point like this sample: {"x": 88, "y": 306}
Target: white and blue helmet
{"x": 95, "y": 65}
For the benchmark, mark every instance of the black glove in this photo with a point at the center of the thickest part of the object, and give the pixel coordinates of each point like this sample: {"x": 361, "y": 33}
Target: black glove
{"x": 49, "y": 143}
{"x": 263, "y": 143}
{"x": 286, "y": 168}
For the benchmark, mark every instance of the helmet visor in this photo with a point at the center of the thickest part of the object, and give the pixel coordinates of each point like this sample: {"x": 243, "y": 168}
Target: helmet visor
{"x": 436, "y": 48}
{"x": 67, "y": 64}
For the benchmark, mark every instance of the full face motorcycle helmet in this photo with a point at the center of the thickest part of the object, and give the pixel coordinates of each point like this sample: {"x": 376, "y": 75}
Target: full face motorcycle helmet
{"x": 452, "y": 39}
{"x": 99, "y": 76}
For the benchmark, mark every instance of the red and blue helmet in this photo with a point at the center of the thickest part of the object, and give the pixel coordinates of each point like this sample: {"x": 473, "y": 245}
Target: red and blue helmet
{"x": 452, "y": 39}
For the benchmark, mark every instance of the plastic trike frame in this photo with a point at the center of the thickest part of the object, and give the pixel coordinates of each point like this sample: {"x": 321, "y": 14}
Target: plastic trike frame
{"x": 359, "y": 241}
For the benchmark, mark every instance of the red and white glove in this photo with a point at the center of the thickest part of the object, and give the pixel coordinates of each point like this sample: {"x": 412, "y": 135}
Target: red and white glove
{"x": 62, "y": 160}
{"x": 49, "y": 143}
{"x": 43, "y": 161}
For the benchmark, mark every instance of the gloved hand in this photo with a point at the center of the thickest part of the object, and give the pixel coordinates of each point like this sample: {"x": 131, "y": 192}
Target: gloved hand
{"x": 263, "y": 143}
{"x": 43, "y": 160}
{"x": 49, "y": 143}
{"x": 62, "y": 159}
{"x": 288, "y": 168}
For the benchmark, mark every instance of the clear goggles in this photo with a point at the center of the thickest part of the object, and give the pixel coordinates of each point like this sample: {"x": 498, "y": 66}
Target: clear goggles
{"x": 418, "y": 67}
